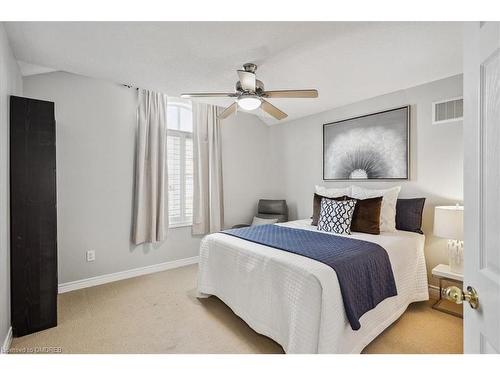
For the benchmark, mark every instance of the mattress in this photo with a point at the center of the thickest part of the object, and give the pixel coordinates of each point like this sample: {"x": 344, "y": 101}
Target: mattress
{"x": 295, "y": 300}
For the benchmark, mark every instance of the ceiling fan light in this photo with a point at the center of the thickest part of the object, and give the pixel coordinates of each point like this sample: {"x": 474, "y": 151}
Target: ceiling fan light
{"x": 249, "y": 103}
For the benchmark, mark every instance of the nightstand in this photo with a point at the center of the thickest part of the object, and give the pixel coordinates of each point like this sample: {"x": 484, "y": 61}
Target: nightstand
{"x": 443, "y": 272}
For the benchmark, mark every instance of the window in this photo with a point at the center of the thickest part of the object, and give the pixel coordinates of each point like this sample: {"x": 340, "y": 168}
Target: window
{"x": 180, "y": 163}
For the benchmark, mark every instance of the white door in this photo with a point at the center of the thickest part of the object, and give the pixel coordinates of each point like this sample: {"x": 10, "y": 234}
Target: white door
{"x": 482, "y": 184}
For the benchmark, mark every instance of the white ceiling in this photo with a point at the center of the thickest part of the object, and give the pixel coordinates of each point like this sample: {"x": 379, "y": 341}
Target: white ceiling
{"x": 345, "y": 61}
{"x": 28, "y": 69}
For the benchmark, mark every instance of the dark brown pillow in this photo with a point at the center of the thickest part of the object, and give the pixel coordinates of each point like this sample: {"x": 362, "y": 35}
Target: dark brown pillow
{"x": 366, "y": 216}
{"x": 317, "y": 206}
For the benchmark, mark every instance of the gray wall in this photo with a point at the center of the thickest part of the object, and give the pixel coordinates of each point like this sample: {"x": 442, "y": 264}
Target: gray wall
{"x": 95, "y": 153}
{"x": 248, "y": 172}
{"x": 10, "y": 84}
{"x": 436, "y": 155}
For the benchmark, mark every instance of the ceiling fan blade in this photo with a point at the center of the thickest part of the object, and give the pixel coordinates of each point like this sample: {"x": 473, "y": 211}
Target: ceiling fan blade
{"x": 209, "y": 95}
{"x": 247, "y": 80}
{"x": 272, "y": 110}
{"x": 228, "y": 111}
{"x": 291, "y": 94}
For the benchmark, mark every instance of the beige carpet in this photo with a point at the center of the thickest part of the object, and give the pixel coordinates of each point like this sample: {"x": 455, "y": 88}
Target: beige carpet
{"x": 159, "y": 313}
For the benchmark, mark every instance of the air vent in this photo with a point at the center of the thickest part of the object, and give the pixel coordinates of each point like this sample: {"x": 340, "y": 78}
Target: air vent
{"x": 449, "y": 110}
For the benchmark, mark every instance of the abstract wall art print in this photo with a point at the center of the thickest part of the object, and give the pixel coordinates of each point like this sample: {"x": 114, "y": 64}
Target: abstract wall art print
{"x": 369, "y": 147}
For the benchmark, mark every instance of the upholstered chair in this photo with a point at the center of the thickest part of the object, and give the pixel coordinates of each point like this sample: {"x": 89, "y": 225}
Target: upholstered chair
{"x": 270, "y": 209}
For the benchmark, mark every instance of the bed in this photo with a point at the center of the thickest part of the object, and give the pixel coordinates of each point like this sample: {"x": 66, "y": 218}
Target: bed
{"x": 296, "y": 300}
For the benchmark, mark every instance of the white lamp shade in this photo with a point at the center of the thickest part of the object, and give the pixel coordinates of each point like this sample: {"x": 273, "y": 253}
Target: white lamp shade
{"x": 249, "y": 102}
{"x": 449, "y": 222}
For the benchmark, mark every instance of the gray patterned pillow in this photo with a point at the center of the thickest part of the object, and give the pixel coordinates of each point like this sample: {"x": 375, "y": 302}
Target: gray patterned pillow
{"x": 336, "y": 216}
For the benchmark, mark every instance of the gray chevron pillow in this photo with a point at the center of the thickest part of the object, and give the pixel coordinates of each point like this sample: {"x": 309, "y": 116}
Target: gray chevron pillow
{"x": 336, "y": 216}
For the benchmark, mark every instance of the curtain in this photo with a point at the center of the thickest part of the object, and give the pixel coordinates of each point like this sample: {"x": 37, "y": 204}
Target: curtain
{"x": 150, "y": 200}
{"x": 208, "y": 207}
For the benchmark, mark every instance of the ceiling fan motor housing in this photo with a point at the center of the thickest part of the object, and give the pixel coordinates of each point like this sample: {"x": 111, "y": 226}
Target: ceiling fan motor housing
{"x": 259, "y": 87}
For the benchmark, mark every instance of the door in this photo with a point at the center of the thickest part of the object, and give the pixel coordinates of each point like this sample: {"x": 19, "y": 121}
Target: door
{"x": 33, "y": 215}
{"x": 482, "y": 184}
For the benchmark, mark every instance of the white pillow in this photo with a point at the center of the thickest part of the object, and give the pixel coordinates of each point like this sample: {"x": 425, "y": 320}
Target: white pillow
{"x": 260, "y": 221}
{"x": 388, "y": 209}
{"x": 332, "y": 192}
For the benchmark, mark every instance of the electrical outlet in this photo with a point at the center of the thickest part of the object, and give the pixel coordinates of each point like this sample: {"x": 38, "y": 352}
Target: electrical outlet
{"x": 90, "y": 255}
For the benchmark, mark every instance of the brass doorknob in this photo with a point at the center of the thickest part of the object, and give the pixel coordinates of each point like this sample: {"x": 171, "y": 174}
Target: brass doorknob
{"x": 455, "y": 294}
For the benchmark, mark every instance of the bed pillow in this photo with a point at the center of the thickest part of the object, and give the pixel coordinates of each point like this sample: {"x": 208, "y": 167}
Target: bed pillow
{"x": 261, "y": 221}
{"x": 388, "y": 209}
{"x": 335, "y": 216}
{"x": 366, "y": 216}
{"x": 409, "y": 214}
{"x": 332, "y": 192}
{"x": 317, "y": 206}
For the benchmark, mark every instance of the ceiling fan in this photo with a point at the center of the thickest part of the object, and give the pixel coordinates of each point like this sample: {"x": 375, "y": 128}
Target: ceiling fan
{"x": 250, "y": 94}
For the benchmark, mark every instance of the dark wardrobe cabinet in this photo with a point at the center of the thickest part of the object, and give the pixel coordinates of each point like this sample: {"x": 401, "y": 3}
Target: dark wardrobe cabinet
{"x": 33, "y": 215}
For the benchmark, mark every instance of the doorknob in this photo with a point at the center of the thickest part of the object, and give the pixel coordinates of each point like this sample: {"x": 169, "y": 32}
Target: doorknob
{"x": 455, "y": 294}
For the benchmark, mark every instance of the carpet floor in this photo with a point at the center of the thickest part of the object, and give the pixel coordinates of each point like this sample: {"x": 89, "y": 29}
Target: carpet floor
{"x": 159, "y": 313}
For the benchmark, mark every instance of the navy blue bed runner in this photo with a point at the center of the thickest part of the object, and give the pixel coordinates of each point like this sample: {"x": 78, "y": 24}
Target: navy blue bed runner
{"x": 363, "y": 268}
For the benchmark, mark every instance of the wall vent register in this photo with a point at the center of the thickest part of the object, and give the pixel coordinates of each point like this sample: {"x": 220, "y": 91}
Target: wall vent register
{"x": 446, "y": 111}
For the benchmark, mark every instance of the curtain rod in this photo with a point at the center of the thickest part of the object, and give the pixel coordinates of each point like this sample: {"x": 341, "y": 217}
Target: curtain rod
{"x": 130, "y": 87}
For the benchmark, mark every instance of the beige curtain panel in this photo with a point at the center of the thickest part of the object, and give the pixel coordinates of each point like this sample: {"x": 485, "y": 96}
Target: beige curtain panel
{"x": 208, "y": 208}
{"x": 150, "y": 198}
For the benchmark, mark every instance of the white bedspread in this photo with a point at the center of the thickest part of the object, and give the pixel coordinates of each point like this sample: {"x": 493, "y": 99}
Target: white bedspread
{"x": 295, "y": 300}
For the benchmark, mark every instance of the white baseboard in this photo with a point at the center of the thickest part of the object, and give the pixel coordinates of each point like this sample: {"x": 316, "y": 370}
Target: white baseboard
{"x": 6, "y": 342}
{"x": 433, "y": 291}
{"x": 104, "y": 279}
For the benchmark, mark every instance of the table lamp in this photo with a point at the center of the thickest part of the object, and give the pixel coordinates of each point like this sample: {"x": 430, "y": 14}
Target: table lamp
{"x": 449, "y": 224}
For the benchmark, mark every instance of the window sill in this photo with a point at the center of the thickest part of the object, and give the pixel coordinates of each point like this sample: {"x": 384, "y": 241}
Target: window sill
{"x": 180, "y": 225}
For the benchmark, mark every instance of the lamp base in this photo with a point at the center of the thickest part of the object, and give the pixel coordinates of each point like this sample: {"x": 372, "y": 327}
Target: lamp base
{"x": 456, "y": 256}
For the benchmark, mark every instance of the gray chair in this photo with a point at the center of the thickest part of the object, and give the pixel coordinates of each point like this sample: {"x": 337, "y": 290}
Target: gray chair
{"x": 270, "y": 209}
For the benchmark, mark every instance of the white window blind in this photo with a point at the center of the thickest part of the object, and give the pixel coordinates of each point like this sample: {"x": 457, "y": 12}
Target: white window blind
{"x": 180, "y": 164}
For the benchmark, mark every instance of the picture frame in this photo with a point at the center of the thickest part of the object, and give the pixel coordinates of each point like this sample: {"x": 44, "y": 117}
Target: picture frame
{"x": 374, "y": 146}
